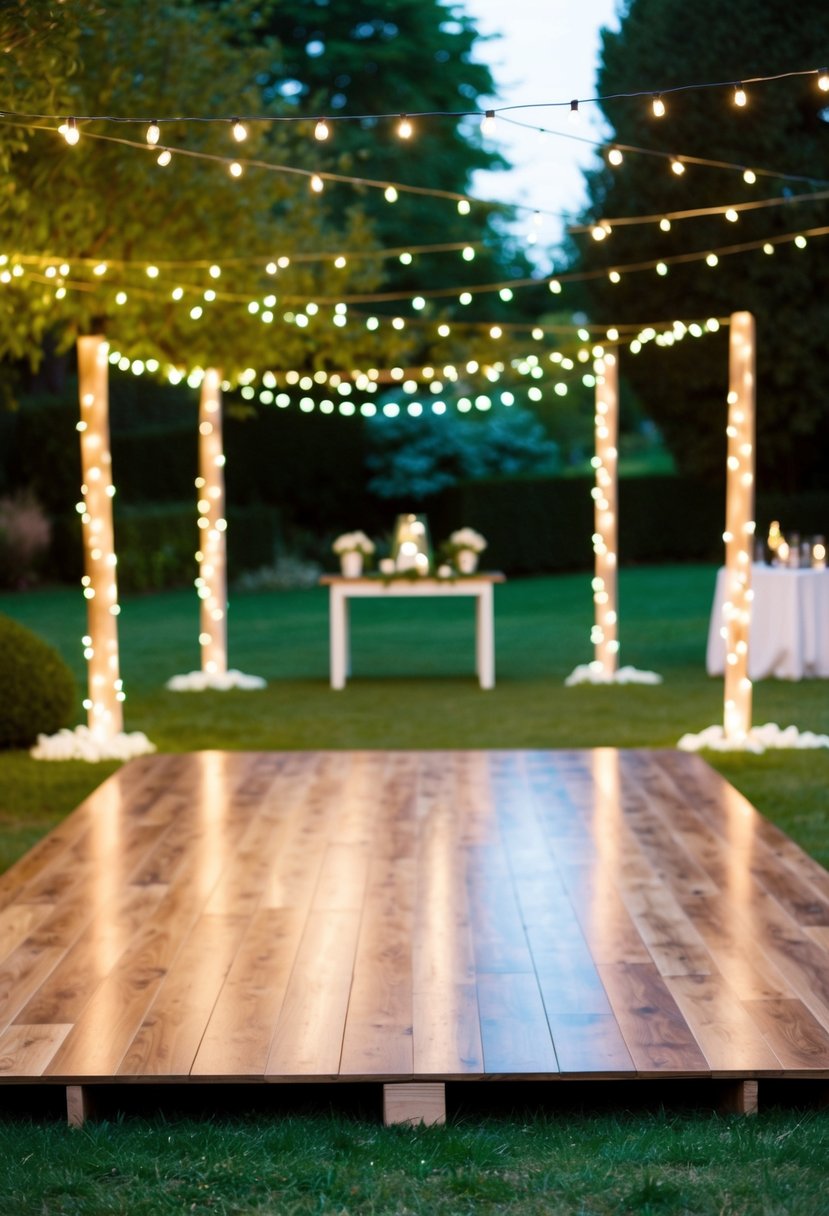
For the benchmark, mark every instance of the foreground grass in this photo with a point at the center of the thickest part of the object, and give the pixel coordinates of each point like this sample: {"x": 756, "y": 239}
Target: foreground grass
{"x": 524, "y": 1162}
{"x": 606, "y": 1165}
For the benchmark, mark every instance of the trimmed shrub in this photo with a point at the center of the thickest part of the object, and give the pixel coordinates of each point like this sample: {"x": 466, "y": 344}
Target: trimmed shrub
{"x": 37, "y": 689}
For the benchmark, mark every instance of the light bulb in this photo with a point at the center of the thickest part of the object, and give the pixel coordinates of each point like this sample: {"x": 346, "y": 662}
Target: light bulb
{"x": 749, "y": 177}
{"x": 322, "y": 130}
{"x": 665, "y": 224}
{"x": 153, "y": 133}
{"x": 740, "y": 98}
{"x": 574, "y": 110}
{"x": 236, "y": 169}
{"x": 823, "y": 80}
{"x": 488, "y": 123}
{"x": 614, "y": 156}
{"x": 404, "y": 128}
{"x": 390, "y": 194}
{"x": 731, "y": 215}
{"x": 164, "y": 157}
{"x": 240, "y": 131}
{"x": 677, "y": 166}
{"x": 658, "y": 106}
{"x": 70, "y": 132}
{"x": 317, "y": 184}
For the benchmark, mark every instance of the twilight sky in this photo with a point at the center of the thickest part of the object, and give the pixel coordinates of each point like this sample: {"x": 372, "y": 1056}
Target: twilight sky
{"x": 547, "y": 51}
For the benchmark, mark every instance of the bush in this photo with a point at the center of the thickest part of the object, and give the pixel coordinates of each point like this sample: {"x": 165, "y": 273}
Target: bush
{"x": 37, "y": 689}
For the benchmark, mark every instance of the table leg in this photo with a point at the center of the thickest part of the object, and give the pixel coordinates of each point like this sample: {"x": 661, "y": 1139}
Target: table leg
{"x": 338, "y": 626}
{"x": 485, "y": 638}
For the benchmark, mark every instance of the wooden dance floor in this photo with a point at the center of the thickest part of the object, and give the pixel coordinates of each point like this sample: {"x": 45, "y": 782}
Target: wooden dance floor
{"x": 413, "y": 918}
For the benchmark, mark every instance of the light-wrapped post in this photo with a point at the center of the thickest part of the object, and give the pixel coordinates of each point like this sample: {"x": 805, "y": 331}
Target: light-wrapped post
{"x": 739, "y": 526}
{"x": 605, "y": 509}
{"x": 212, "y": 554}
{"x": 103, "y": 703}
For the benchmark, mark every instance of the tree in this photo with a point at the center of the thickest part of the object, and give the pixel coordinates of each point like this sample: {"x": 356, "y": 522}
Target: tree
{"x": 109, "y": 211}
{"x": 397, "y": 57}
{"x": 665, "y": 43}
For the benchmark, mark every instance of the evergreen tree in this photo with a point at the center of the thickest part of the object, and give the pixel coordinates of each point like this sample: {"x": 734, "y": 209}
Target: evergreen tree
{"x": 666, "y": 43}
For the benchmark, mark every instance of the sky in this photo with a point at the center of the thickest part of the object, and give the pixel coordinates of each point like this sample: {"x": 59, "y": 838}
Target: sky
{"x": 547, "y": 51}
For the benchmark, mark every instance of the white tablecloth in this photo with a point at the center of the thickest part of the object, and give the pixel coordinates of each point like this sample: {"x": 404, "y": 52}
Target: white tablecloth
{"x": 789, "y": 635}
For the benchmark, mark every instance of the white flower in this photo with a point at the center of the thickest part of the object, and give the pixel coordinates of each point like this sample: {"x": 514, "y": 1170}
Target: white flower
{"x": 353, "y": 542}
{"x": 468, "y": 538}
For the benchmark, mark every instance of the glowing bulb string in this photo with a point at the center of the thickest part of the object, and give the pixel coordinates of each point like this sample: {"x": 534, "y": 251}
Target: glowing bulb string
{"x": 405, "y": 121}
{"x": 279, "y": 262}
{"x": 705, "y": 162}
{"x": 318, "y": 178}
{"x": 628, "y": 221}
{"x": 554, "y": 282}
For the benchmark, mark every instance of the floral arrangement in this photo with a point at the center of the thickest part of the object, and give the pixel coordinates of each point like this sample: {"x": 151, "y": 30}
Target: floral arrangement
{"x": 466, "y": 539}
{"x": 353, "y": 542}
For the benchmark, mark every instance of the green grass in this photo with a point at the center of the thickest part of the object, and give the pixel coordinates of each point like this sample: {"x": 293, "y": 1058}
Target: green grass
{"x": 413, "y": 687}
{"x": 584, "y": 1165}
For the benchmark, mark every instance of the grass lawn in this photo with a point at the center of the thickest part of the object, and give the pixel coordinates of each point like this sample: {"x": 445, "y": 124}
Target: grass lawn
{"x": 523, "y": 1162}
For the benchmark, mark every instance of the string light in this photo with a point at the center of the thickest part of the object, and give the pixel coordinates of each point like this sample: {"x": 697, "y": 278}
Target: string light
{"x": 740, "y": 97}
{"x": 240, "y": 131}
{"x": 164, "y": 157}
{"x": 235, "y": 169}
{"x": 574, "y": 110}
{"x": 658, "y": 106}
{"x": 317, "y": 184}
{"x": 677, "y": 166}
{"x": 749, "y": 177}
{"x": 70, "y": 132}
{"x": 488, "y": 123}
{"x": 615, "y": 157}
{"x": 322, "y": 130}
{"x": 404, "y": 127}
{"x": 390, "y": 194}
{"x": 153, "y": 133}
{"x": 823, "y": 80}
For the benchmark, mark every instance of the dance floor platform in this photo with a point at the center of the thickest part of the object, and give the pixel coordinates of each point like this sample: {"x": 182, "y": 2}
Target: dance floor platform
{"x": 408, "y": 919}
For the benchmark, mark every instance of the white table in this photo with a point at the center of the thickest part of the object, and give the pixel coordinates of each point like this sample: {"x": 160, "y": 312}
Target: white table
{"x": 342, "y": 589}
{"x": 789, "y": 635}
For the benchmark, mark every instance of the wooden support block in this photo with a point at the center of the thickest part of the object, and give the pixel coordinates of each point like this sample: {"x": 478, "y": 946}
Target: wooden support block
{"x": 79, "y": 1105}
{"x": 739, "y": 1098}
{"x": 414, "y": 1103}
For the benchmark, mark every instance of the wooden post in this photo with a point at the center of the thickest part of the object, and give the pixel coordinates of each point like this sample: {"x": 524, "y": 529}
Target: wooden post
{"x": 103, "y": 704}
{"x": 605, "y": 500}
{"x": 739, "y": 527}
{"x": 79, "y": 1105}
{"x": 414, "y": 1102}
{"x": 212, "y": 554}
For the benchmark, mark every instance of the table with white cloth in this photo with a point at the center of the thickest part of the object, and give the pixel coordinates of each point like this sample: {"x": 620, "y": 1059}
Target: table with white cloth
{"x": 789, "y": 635}
{"x": 478, "y": 586}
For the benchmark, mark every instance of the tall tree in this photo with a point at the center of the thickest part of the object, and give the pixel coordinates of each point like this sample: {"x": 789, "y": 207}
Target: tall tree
{"x": 83, "y": 224}
{"x": 662, "y": 44}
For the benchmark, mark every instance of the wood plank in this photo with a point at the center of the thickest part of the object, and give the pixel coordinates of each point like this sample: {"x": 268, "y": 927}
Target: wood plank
{"x": 169, "y": 1037}
{"x": 240, "y": 1029}
{"x": 797, "y": 1038}
{"x": 722, "y": 1025}
{"x": 309, "y": 1031}
{"x": 25, "y": 1051}
{"x": 65, "y": 992}
{"x": 514, "y": 1031}
{"x": 16, "y": 923}
{"x": 446, "y": 1032}
{"x": 377, "y": 1040}
{"x": 654, "y": 1029}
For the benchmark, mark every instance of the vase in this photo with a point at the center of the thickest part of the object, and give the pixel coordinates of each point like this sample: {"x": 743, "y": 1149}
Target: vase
{"x": 412, "y": 548}
{"x": 467, "y": 560}
{"x": 351, "y": 564}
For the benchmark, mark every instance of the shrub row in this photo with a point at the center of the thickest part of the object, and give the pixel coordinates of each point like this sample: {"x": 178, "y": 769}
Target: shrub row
{"x": 156, "y": 544}
{"x": 545, "y": 525}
